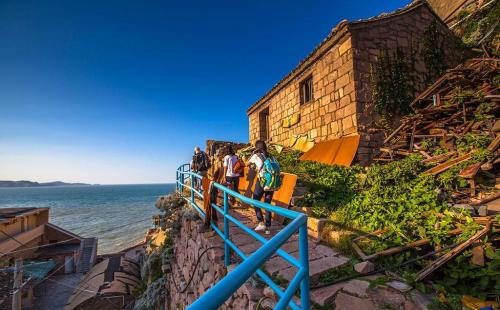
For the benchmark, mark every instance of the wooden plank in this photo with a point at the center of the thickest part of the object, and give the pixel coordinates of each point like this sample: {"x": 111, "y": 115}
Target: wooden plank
{"x": 422, "y": 151}
{"x": 395, "y": 132}
{"x": 485, "y": 200}
{"x": 438, "y": 158}
{"x": 447, "y": 165}
{"x": 412, "y": 135}
{"x": 448, "y": 256}
{"x": 467, "y": 128}
{"x": 470, "y": 171}
{"x": 393, "y": 250}
{"x": 10, "y": 245}
{"x": 494, "y": 144}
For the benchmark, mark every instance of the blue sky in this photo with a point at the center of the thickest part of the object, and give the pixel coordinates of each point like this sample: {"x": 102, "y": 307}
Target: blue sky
{"x": 121, "y": 91}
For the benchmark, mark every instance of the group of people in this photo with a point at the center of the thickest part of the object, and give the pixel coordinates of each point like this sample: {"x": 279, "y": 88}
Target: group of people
{"x": 228, "y": 168}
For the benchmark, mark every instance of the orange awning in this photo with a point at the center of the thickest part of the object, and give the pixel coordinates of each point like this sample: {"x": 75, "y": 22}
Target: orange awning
{"x": 334, "y": 152}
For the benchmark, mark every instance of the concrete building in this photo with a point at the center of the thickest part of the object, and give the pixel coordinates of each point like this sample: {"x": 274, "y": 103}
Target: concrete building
{"x": 26, "y": 233}
{"x": 329, "y": 94}
{"x": 46, "y": 249}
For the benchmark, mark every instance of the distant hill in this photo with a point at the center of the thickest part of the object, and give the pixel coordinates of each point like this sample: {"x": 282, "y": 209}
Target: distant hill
{"x": 24, "y": 183}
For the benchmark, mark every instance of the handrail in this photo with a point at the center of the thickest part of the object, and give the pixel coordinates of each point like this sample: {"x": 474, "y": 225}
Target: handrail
{"x": 219, "y": 293}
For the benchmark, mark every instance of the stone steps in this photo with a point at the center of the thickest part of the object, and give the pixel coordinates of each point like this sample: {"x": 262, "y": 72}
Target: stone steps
{"x": 322, "y": 258}
{"x": 352, "y": 294}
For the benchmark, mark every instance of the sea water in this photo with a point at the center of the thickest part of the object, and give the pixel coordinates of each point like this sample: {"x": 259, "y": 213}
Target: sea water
{"x": 118, "y": 215}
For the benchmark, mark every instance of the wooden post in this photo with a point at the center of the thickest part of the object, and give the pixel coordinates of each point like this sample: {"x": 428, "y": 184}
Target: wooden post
{"x": 412, "y": 139}
{"x": 18, "y": 279}
{"x": 30, "y": 297}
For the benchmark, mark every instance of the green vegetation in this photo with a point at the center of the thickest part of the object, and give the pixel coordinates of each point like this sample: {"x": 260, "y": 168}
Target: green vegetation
{"x": 433, "y": 52}
{"x": 407, "y": 206}
{"x": 472, "y": 141}
{"x": 453, "y": 303}
{"x": 342, "y": 271}
{"x": 482, "y": 28}
{"x": 329, "y": 186}
{"x": 393, "y": 84}
{"x": 462, "y": 277}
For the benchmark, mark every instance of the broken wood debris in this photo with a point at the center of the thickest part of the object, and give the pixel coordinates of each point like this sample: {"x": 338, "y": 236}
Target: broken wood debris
{"x": 463, "y": 104}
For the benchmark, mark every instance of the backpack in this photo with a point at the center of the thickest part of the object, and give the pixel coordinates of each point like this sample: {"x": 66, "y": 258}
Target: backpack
{"x": 201, "y": 162}
{"x": 270, "y": 174}
{"x": 239, "y": 167}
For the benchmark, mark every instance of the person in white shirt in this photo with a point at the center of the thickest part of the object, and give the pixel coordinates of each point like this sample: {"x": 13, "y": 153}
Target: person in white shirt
{"x": 232, "y": 177}
{"x": 257, "y": 161}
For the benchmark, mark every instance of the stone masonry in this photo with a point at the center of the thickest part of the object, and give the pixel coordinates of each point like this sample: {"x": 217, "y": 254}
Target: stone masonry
{"x": 340, "y": 70}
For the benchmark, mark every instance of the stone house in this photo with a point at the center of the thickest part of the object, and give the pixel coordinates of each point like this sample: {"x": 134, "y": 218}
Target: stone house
{"x": 328, "y": 95}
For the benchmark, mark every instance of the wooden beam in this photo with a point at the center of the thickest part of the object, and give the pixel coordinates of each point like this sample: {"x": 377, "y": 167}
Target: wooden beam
{"x": 447, "y": 165}
{"x": 448, "y": 256}
{"x": 10, "y": 245}
{"x": 395, "y": 132}
{"x": 438, "y": 158}
{"x": 494, "y": 144}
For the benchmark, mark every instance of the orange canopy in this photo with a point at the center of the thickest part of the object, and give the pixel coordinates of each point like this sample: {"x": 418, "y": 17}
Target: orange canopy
{"x": 334, "y": 152}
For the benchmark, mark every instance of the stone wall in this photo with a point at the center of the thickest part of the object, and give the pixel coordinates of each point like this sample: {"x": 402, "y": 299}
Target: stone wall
{"x": 331, "y": 113}
{"x": 188, "y": 245}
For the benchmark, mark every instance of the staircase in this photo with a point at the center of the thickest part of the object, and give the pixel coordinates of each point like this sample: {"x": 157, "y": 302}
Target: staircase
{"x": 88, "y": 256}
{"x": 322, "y": 258}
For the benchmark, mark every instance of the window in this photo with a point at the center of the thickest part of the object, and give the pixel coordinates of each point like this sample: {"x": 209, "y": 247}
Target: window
{"x": 306, "y": 90}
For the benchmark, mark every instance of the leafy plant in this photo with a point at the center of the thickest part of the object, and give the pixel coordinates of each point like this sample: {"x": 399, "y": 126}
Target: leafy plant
{"x": 461, "y": 277}
{"x": 433, "y": 52}
{"x": 471, "y": 141}
{"x": 338, "y": 272}
{"x": 427, "y": 144}
{"x": 393, "y": 84}
{"x": 329, "y": 186}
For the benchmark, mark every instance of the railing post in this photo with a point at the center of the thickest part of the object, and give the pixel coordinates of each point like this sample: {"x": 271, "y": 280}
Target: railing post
{"x": 181, "y": 179}
{"x": 226, "y": 232}
{"x": 304, "y": 260}
{"x": 193, "y": 181}
{"x": 177, "y": 180}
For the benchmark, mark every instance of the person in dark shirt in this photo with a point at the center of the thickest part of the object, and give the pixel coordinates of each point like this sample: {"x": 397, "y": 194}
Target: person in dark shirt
{"x": 200, "y": 164}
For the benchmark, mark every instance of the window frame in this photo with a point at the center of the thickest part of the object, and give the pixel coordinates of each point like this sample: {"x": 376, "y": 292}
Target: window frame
{"x": 302, "y": 91}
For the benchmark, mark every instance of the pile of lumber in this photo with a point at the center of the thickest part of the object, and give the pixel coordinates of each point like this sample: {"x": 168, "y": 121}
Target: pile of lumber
{"x": 463, "y": 105}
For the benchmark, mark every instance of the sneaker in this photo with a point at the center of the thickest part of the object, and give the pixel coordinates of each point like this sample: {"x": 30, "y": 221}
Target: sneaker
{"x": 260, "y": 227}
{"x": 268, "y": 231}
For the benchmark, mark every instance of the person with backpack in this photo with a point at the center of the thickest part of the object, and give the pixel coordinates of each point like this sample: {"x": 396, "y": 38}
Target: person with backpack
{"x": 268, "y": 181}
{"x": 233, "y": 170}
{"x": 200, "y": 164}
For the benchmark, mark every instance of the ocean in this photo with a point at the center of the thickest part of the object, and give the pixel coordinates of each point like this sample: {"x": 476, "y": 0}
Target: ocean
{"x": 118, "y": 215}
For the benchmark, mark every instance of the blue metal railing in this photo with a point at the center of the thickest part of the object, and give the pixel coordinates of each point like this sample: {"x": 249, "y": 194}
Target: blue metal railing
{"x": 218, "y": 294}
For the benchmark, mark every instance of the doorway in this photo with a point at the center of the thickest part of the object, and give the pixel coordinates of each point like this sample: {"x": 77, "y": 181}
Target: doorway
{"x": 264, "y": 124}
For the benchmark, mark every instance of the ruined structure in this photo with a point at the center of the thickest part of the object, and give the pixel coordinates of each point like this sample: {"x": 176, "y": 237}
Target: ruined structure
{"x": 329, "y": 94}
{"x": 449, "y": 10}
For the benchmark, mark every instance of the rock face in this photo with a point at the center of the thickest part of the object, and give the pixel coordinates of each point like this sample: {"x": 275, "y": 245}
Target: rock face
{"x": 189, "y": 244}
